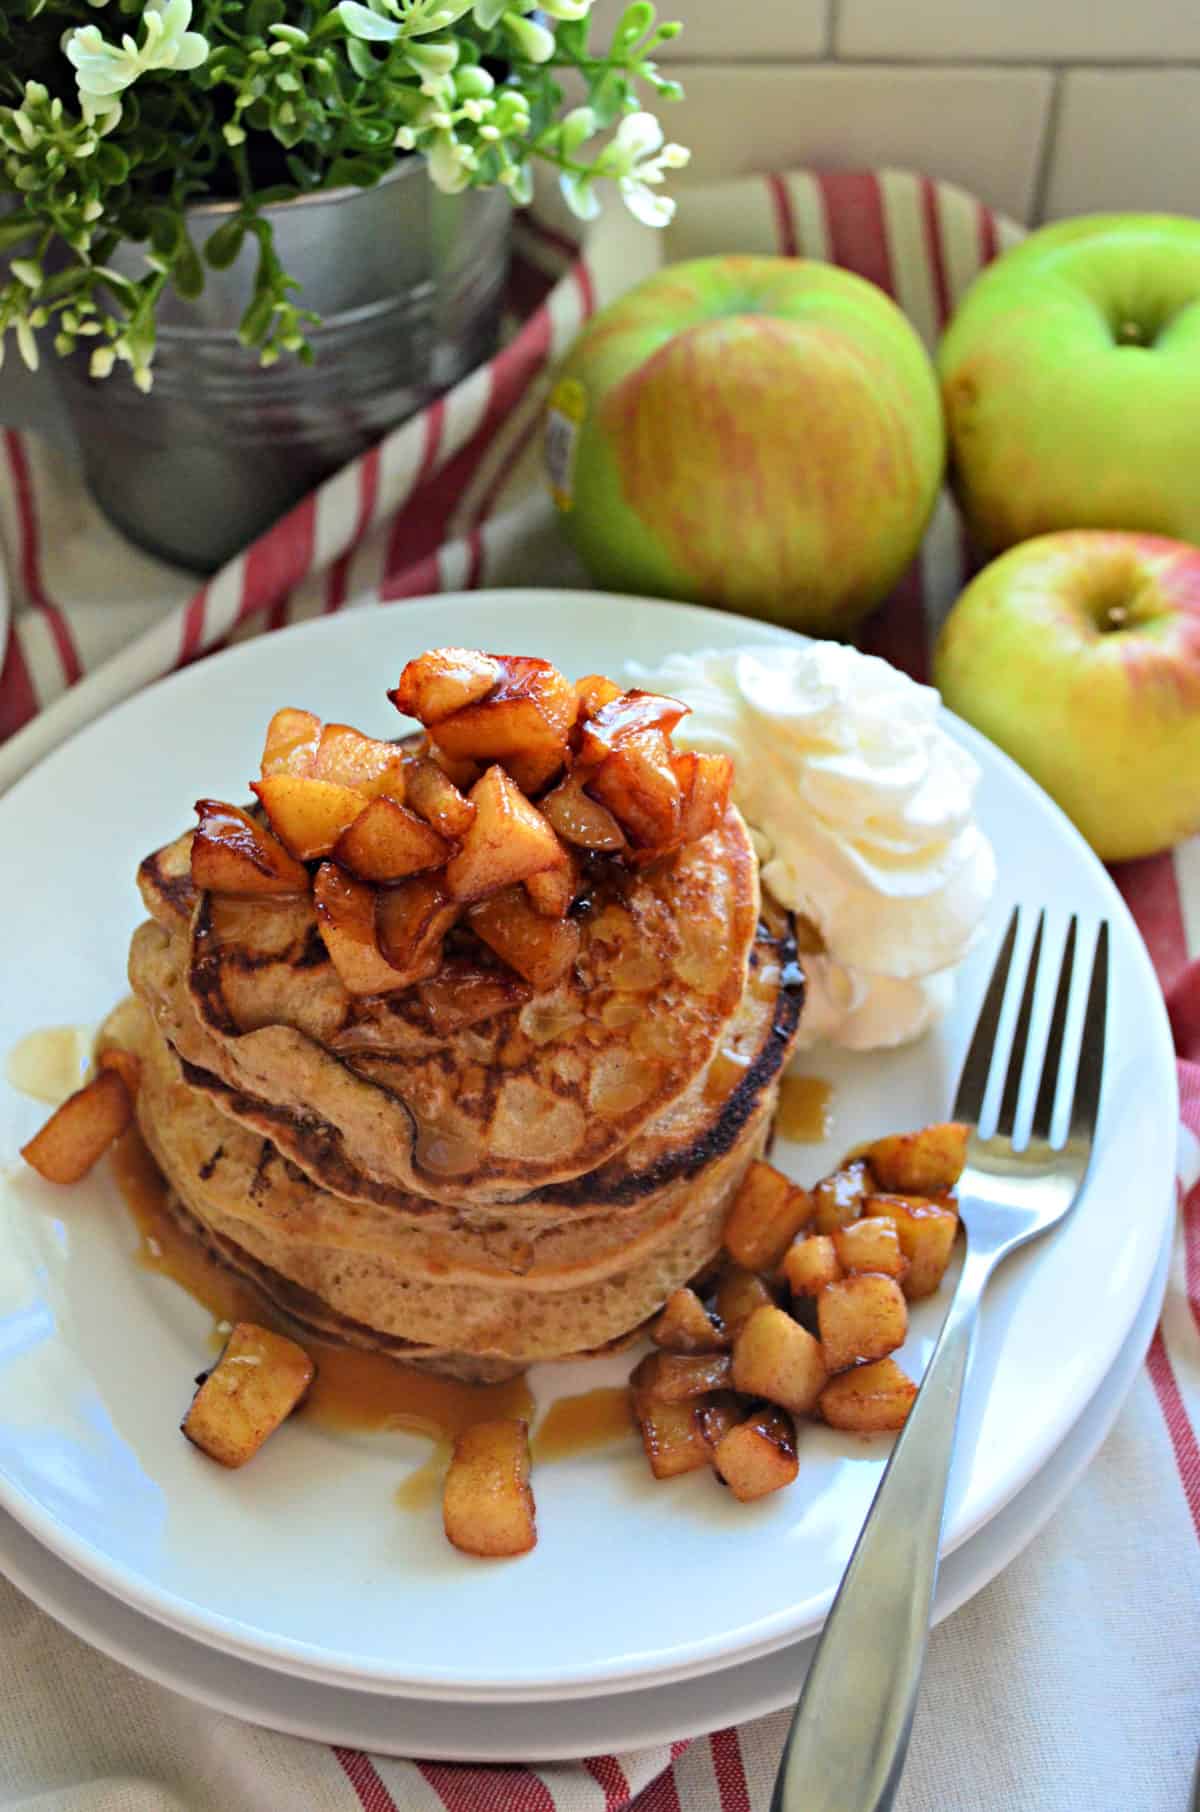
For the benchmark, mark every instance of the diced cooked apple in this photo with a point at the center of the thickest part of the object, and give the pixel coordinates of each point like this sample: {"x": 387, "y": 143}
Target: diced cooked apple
{"x": 861, "y": 1318}
{"x": 811, "y": 1264}
{"x": 739, "y": 1293}
{"x": 768, "y": 1211}
{"x": 637, "y": 783}
{"x": 462, "y": 772}
{"x": 292, "y": 738}
{"x": 541, "y": 950}
{"x": 78, "y": 1133}
{"x": 436, "y": 798}
{"x": 838, "y": 1199}
{"x": 685, "y": 1326}
{"x": 507, "y": 841}
{"x": 346, "y": 920}
{"x": 758, "y": 1456}
{"x": 487, "y": 1503}
{"x": 627, "y": 716}
{"x": 717, "y": 1415}
{"x": 443, "y": 681}
{"x": 871, "y": 1245}
{"x": 673, "y": 1435}
{"x": 774, "y": 1357}
{"x": 674, "y": 1377}
{"x": 127, "y": 1066}
{"x": 253, "y": 1388}
{"x": 386, "y": 842}
{"x": 411, "y": 922}
{"x": 307, "y": 815}
{"x": 926, "y": 1231}
{"x": 462, "y": 994}
{"x": 706, "y": 785}
{"x": 870, "y": 1399}
{"x": 523, "y": 723}
{"x": 231, "y": 853}
{"x": 552, "y": 893}
{"x": 348, "y": 758}
{"x": 928, "y": 1162}
{"x": 580, "y": 820}
{"x": 594, "y": 690}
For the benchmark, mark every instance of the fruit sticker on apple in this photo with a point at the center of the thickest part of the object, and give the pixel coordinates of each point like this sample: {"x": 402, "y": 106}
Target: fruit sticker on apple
{"x": 763, "y": 434}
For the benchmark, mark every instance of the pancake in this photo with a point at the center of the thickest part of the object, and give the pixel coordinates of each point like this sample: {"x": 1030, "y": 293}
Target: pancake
{"x": 374, "y": 1105}
{"x": 569, "y": 1268}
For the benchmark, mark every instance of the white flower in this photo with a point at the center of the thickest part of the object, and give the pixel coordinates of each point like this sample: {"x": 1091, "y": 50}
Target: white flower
{"x": 636, "y": 158}
{"x": 103, "y": 70}
{"x": 449, "y": 163}
{"x": 578, "y": 193}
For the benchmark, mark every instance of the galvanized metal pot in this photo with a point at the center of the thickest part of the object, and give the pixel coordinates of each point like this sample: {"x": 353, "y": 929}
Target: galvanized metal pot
{"x": 409, "y": 284}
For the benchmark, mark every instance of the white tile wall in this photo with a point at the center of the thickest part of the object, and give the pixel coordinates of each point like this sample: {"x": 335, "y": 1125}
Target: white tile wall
{"x": 1026, "y": 101}
{"x": 1126, "y": 139}
{"x": 744, "y": 28}
{"x": 1086, "y": 30}
{"x": 983, "y": 128}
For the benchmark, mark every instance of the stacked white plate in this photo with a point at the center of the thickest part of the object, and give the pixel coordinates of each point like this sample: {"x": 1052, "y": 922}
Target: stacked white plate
{"x": 297, "y": 1592}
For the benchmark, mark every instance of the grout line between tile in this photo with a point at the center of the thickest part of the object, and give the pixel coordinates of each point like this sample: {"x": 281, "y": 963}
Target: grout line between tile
{"x": 1045, "y": 163}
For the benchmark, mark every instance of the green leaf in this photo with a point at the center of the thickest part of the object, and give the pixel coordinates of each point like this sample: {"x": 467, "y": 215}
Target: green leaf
{"x": 15, "y": 232}
{"x": 224, "y": 245}
{"x": 361, "y": 22}
{"x": 359, "y": 57}
{"x": 188, "y": 272}
{"x": 607, "y": 97}
{"x": 110, "y": 164}
{"x": 352, "y": 172}
{"x": 633, "y": 24}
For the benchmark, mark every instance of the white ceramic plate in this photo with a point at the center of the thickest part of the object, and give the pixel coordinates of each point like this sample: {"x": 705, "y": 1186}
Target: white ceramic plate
{"x": 304, "y": 1561}
{"x": 613, "y": 1723}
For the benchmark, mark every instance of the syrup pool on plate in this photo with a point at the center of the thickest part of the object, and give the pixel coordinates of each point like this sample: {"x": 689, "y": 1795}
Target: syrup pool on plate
{"x": 355, "y": 1389}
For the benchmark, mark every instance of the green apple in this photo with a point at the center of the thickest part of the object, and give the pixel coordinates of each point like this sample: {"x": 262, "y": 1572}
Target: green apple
{"x": 1071, "y": 379}
{"x": 1079, "y": 654}
{"x": 759, "y": 433}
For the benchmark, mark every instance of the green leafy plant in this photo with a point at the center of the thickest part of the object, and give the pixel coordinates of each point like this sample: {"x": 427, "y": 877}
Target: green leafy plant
{"x": 117, "y": 115}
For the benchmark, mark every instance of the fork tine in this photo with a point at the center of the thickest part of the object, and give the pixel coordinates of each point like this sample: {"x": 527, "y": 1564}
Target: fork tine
{"x": 1086, "y": 1105}
{"x": 1006, "y": 1123}
{"x": 1043, "y": 1113}
{"x": 972, "y": 1084}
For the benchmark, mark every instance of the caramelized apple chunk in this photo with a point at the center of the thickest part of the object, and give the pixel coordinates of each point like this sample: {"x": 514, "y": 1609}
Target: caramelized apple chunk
{"x": 435, "y": 796}
{"x": 78, "y": 1133}
{"x": 552, "y": 893}
{"x": 291, "y": 744}
{"x": 370, "y": 767}
{"x": 685, "y": 1326}
{"x": 768, "y": 1211}
{"x": 580, "y": 820}
{"x": 307, "y": 815}
{"x": 507, "y": 841}
{"x": 443, "y": 681}
{"x": 674, "y": 1435}
{"x": 231, "y": 853}
{"x": 487, "y": 1503}
{"x": 871, "y": 1399}
{"x": 927, "y": 1162}
{"x": 523, "y": 723}
{"x": 593, "y": 691}
{"x": 251, "y": 1390}
{"x": 758, "y": 1456}
{"x": 627, "y": 715}
{"x": 346, "y": 920}
{"x": 411, "y": 922}
{"x": 386, "y": 842}
{"x": 463, "y": 994}
{"x": 540, "y": 949}
{"x": 706, "y": 783}
{"x": 639, "y": 786}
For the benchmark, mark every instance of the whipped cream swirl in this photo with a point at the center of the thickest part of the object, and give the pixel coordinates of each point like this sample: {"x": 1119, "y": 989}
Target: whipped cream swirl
{"x": 862, "y": 809}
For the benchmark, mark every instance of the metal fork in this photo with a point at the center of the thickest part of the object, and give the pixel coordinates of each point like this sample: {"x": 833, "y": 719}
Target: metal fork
{"x": 846, "y": 1748}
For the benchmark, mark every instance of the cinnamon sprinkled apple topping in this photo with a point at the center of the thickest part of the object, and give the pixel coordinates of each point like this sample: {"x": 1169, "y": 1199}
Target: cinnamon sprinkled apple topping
{"x": 485, "y": 826}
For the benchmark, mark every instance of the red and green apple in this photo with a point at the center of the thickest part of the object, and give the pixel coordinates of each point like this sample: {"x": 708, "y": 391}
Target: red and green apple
{"x": 759, "y": 433}
{"x": 1071, "y": 380}
{"x": 1078, "y": 653}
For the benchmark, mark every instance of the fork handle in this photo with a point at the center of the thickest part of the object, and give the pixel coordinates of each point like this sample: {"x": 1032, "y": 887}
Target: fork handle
{"x": 849, "y": 1737}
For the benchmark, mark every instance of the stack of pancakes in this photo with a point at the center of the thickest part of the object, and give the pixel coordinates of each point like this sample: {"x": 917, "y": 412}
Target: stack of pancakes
{"x": 524, "y": 1188}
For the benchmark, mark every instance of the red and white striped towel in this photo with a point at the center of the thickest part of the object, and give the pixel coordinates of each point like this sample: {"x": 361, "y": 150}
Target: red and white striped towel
{"x": 1072, "y": 1681}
